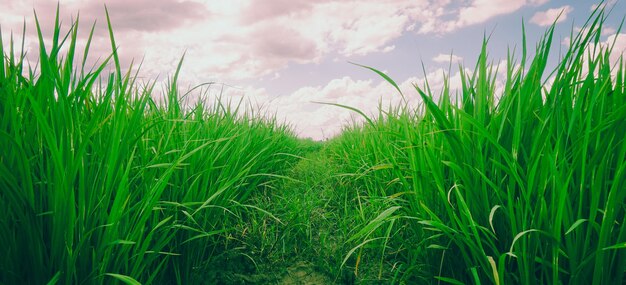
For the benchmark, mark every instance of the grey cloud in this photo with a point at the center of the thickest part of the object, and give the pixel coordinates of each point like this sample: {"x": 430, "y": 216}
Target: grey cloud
{"x": 126, "y": 15}
{"x": 260, "y": 10}
{"x": 147, "y": 15}
{"x": 265, "y": 48}
{"x": 281, "y": 42}
{"x": 9, "y": 5}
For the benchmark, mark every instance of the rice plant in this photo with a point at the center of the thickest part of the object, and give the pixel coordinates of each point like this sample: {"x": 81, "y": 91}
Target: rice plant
{"x": 523, "y": 187}
{"x": 520, "y": 183}
{"x": 100, "y": 184}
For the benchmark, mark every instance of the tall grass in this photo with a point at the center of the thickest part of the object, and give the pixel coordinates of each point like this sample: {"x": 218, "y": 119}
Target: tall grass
{"x": 523, "y": 187}
{"x": 100, "y": 184}
{"x": 522, "y": 183}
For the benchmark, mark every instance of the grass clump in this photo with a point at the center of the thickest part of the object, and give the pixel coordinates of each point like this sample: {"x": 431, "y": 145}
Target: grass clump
{"x": 522, "y": 188}
{"x": 100, "y": 183}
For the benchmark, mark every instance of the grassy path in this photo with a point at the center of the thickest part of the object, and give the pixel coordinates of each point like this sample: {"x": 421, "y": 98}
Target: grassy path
{"x": 523, "y": 186}
{"x": 298, "y": 236}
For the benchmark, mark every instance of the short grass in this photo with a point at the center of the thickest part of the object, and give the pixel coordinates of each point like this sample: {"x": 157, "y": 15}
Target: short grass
{"x": 103, "y": 185}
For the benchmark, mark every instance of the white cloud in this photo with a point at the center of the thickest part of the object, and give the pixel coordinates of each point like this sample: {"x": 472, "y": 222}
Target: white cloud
{"x": 546, "y": 18}
{"x": 231, "y": 39}
{"x": 475, "y": 12}
{"x": 234, "y": 40}
{"x": 618, "y": 43}
{"x": 388, "y": 48}
{"x": 320, "y": 121}
{"x": 447, "y": 58}
{"x": 615, "y": 42}
{"x": 609, "y": 3}
{"x": 482, "y": 10}
{"x": 606, "y": 31}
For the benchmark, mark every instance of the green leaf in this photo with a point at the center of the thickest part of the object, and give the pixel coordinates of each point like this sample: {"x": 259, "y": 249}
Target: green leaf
{"x": 122, "y": 242}
{"x": 575, "y": 225}
{"x": 449, "y": 280}
{"x": 383, "y": 75}
{"x": 125, "y": 279}
{"x": 617, "y": 246}
{"x": 55, "y": 279}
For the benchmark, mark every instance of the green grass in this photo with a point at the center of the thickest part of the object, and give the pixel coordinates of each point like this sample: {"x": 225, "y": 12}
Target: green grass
{"x": 102, "y": 184}
{"x": 527, "y": 189}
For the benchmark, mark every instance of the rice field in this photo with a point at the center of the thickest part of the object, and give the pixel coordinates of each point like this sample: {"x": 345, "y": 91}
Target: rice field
{"x": 523, "y": 183}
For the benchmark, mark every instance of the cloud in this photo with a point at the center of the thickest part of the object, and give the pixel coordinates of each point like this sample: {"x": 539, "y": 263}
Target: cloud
{"x": 388, "y": 48}
{"x": 611, "y": 40}
{"x": 547, "y": 17}
{"x": 134, "y": 24}
{"x": 320, "y": 121}
{"x": 609, "y": 3}
{"x": 618, "y": 43}
{"x": 148, "y": 15}
{"x": 138, "y": 15}
{"x": 606, "y": 31}
{"x": 259, "y": 38}
{"x": 482, "y": 10}
{"x": 259, "y": 10}
{"x": 240, "y": 40}
{"x": 447, "y": 58}
{"x": 475, "y": 12}
{"x": 235, "y": 40}
{"x": 228, "y": 39}
{"x": 284, "y": 43}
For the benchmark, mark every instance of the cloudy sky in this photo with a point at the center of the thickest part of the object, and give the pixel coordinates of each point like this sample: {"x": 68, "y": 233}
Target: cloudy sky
{"x": 285, "y": 54}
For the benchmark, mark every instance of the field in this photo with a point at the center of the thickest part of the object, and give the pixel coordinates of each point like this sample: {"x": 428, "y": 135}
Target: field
{"x": 525, "y": 183}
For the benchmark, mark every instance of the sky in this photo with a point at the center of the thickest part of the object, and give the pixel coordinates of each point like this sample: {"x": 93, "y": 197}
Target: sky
{"x": 282, "y": 56}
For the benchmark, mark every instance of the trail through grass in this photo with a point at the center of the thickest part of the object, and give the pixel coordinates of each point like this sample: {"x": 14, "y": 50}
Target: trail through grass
{"x": 300, "y": 238}
{"x": 522, "y": 184}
